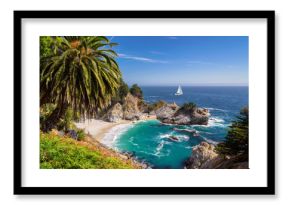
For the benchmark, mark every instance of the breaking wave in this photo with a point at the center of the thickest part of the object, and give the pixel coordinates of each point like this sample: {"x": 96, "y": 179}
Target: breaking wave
{"x": 112, "y": 135}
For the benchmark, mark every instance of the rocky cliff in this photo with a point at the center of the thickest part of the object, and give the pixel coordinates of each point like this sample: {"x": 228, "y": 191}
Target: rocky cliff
{"x": 204, "y": 157}
{"x": 130, "y": 108}
{"x": 128, "y": 111}
{"x": 115, "y": 114}
{"x": 173, "y": 114}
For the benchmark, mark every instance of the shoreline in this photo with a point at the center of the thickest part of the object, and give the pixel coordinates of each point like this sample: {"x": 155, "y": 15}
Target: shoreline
{"x": 98, "y": 129}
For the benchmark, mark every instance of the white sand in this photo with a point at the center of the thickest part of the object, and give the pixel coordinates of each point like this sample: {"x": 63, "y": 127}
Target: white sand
{"x": 98, "y": 128}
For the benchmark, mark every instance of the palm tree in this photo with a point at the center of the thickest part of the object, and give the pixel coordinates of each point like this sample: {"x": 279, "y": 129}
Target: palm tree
{"x": 81, "y": 74}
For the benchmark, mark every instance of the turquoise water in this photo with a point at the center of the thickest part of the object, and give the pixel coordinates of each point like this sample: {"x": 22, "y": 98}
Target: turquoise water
{"x": 150, "y": 141}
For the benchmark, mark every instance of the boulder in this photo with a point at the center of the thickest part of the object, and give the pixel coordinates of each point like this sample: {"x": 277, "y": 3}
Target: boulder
{"x": 204, "y": 157}
{"x": 130, "y": 108}
{"x": 172, "y": 114}
{"x": 165, "y": 112}
{"x": 115, "y": 114}
{"x": 201, "y": 154}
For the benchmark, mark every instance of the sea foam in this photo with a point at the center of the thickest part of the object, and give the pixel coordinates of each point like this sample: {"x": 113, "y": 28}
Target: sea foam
{"x": 112, "y": 135}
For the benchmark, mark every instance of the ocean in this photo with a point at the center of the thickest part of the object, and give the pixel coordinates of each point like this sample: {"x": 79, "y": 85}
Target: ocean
{"x": 149, "y": 141}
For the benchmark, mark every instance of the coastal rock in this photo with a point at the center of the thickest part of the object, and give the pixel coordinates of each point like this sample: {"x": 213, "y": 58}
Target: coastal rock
{"x": 204, "y": 157}
{"x": 172, "y": 114}
{"x": 130, "y": 108}
{"x": 201, "y": 154}
{"x": 115, "y": 114}
{"x": 166, "y": 112}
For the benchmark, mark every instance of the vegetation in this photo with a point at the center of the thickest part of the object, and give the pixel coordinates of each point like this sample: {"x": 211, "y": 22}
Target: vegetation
{"x": 78, "y": 73}
{"x": 47, "y": 46}
{"x": 156, "y": 105}
{"x": 136, "y": 91}
{"x": 237, "y": 139}
{"x": 188, "y": 107}
{"x": 65, "y": 153}
{"x": 121, "y": 93}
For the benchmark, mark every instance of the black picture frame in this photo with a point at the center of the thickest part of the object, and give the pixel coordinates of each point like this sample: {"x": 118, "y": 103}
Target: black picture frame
{"x": 19, "y": 189}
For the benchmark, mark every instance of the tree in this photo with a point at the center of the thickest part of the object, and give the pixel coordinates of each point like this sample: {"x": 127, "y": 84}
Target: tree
{"x": 80, "y": 73}
{"x": 121, "y": 94}
{"x": 188, "y": 107}
{"x": 136, "y": 91}
{"x": 237, "y": 139}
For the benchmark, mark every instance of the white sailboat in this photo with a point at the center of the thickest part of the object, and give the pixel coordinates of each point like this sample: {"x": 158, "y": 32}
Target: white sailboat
{"x": 179, "y": 91}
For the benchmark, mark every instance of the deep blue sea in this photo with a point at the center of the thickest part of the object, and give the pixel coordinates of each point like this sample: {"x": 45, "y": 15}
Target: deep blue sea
{"x": 149, "y": 140}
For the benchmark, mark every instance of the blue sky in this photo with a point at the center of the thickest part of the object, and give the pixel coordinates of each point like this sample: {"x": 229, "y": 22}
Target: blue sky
{"x": 184, "y": 60}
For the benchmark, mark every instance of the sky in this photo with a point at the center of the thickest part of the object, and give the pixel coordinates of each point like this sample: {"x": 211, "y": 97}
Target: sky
{"x": 183, "y": 60}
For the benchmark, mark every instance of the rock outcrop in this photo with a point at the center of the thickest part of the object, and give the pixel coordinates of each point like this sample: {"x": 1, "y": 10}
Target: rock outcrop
{"x": 204, "y": 157}
{"x": 201, "y": 155}
{"x": 172, "y": 114}
{"x": 128, "y": 111}
{"x": 115, "y": 113}
{"x": 130, "y": 108}
{"x": 166, "y": 112}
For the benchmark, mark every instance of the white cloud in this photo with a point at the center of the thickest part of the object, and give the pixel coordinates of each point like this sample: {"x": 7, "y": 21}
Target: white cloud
{"x": 137, "y": 58}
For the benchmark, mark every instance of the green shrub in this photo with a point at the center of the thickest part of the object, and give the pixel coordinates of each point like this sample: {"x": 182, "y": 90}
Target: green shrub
{"x": 45, "y": 111}
{"x": 188, "y": 107}
{"x": 136, "y": 91}
{"x": 121, "y": 93}
{"x": 81, "y": 134}
{"x": 65, "y": 153}
{"x": 156, "y": 105}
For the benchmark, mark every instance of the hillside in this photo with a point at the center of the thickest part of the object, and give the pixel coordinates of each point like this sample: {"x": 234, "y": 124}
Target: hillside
{"x": 65, "y": 153}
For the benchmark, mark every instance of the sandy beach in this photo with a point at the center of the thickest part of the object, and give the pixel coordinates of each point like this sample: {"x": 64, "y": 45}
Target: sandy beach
{"x": 99, "y": 128}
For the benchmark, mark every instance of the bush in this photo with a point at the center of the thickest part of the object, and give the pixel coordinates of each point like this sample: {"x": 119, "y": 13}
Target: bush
{"x": 188, "y": 107}
{"x": 156, "y": 105}
{"x": 45, "y": 111}
{"x": 121, "y": 94}
{"x": 65, "y": 153}
{"x": 237, "y": 139}
{"x": 81, "y": 134}
{"x": 136, "y": 91}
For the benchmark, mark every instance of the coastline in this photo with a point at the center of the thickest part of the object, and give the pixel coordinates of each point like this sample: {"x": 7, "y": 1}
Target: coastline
{"x": 98, "y": 129}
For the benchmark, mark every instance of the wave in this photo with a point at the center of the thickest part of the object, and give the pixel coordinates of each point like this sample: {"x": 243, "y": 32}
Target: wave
{"x": 209, "y": 141}
{"x": 112, "y": 135}
{"x": 180, "y": 137}
{"x": 213, "y": 122}
{"x": 133, "y": 143}
{"x": 159, "y": 147}
{"x": 211, "y": 108}
{"x": 166, "y": 135}
{"x": 216, "y": 120}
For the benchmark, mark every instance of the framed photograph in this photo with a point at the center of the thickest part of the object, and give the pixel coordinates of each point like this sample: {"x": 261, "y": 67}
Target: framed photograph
{"x": 144, "y": 102}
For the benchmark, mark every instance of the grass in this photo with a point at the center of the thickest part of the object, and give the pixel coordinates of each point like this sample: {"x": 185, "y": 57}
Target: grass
{"x": 65, "y": 153}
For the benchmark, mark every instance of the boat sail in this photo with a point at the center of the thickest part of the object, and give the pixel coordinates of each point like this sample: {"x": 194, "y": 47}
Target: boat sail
{"x": 179, "y": 91}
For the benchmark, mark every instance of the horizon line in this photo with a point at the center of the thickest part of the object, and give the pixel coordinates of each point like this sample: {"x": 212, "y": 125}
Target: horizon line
{"x": 197, "y": 85}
